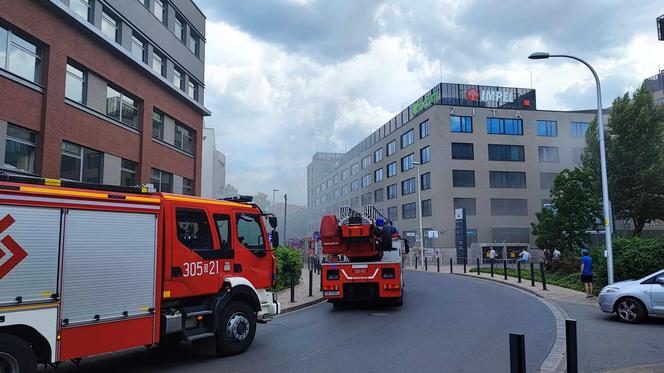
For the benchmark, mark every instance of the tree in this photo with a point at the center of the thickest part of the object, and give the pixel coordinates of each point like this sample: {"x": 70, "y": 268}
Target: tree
{"x": 574, "y": 210}
{"x": 261, "y": 200}
{"x": 229, "y": 191}
{"x": 635, "y": 158}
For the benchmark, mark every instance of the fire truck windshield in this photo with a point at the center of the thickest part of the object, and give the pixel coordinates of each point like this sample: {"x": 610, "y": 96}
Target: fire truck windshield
{"x": 249, "y": 232}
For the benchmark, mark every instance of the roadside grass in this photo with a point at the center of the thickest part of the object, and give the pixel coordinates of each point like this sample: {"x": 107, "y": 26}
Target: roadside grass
{"x": 565, "y": 280}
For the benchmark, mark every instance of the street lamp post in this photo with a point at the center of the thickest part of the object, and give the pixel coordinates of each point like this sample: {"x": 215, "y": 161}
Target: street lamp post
{"x": 602, "y": 155}
{"x": 285, "y": 205}
{"x": 274, "y": 200}
{"x": 419, "y": 208}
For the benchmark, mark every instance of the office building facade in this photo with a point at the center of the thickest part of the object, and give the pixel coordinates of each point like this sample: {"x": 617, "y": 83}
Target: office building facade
{"x": 103, "y": 91}
{"x": 485, "y": 149}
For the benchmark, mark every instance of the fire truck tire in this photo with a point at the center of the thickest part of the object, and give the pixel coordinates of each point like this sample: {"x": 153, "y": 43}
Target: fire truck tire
{"x": 236, "y": 330}
{"x": 16, "y": 355}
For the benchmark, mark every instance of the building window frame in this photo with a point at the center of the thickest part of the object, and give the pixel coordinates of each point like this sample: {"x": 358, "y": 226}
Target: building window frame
{"x": 547, "y": 128}
{"x": 15, "y": 42}
{"x": 427, "y": 207}
{"x": 425, "y": 155}
{"x": 459, "y": 178}
{"x": 82, "y": 6}
{"x": 126, "y": 104}
{"x": 187, "y": 186}
{"x": 26, "y": 139}
{"x": 504, "y": 126}
{"x": 391, "y": 147}
{"x": 378, "y": 175}
{"x": 392, "y": 191}
{"x": 139, "y": 44}
{"x": 409, "y": 210}
{"x": 82, "y": 155}
{"x": 378, "y": 155}
{"x": 460, "y": 150}
{"x": 407, "y": 138}
{"x": 110, "y": 21}
{"x": 407, "y": 162}
{"x": 578, "y": 129}
{"x": 425, "y": 181}
{"x": 128, "y": 172}
{"x": 78, "y": 76}
{"x": 424, "y": 129}
{"x": 506, "y": 153}
{"x": 157, "y": 179}
{"x": 183, "y": 136}
{"x": 461, "y": 123}
{"x": 408, "y": 186}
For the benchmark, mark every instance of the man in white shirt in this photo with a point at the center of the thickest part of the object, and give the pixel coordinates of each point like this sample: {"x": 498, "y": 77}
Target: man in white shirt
{"x": 524, "y": 256}
{"x": 556, "y": 254}
{"x": 492, "y": 254}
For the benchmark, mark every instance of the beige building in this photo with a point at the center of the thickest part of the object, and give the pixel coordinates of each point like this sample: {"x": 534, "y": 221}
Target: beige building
{"x": 485, "y": 149}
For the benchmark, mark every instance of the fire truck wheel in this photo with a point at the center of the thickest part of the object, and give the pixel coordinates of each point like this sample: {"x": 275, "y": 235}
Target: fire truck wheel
{"x": 237, "y": 329}
{"x": 16, "y": 356}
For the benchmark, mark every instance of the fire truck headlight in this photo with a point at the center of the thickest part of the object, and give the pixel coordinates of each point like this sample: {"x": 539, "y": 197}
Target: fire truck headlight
{"x": 387, "y": 273}
{"x": 332, "y": 274}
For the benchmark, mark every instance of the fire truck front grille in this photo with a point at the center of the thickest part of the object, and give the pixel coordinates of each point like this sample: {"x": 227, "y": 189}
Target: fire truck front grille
{"x": 361, "y": 291}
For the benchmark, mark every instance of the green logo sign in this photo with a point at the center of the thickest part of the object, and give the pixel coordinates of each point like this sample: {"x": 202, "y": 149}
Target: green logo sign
{"x": 425, "y": 102}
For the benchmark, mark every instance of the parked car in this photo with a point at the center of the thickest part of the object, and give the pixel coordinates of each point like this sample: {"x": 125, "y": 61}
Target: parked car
{"x": 634, "y": 300}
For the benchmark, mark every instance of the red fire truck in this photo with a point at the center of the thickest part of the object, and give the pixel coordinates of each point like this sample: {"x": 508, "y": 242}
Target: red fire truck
{"x": 87, "y": 269}
{"x": 364, "y": 255}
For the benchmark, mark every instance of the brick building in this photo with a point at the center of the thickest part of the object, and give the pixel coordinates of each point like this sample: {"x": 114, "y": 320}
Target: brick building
{"x": 103, "y": 91}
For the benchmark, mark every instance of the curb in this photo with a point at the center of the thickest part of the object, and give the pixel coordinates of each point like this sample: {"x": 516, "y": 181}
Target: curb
{"x": 303, "y": 305}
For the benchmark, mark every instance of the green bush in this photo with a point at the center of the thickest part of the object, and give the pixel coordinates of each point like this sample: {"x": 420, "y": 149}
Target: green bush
{"x": 289, "y": 261}
{"x": 633, "y": 258}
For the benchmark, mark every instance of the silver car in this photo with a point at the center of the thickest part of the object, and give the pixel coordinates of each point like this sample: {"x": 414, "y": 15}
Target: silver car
{"x": 634, "y": 300}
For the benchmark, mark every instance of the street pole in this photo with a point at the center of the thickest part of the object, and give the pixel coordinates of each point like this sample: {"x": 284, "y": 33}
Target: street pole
{"x": 274, "y": 200}
{"x": 602, "y": 155}
{"x": 285, "y": 204}
{"x": 419, "y": 207}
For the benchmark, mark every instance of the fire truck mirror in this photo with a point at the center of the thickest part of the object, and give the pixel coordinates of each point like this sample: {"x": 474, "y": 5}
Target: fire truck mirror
{"x": 275, "y": 238}
{"x": 273, "y": 221}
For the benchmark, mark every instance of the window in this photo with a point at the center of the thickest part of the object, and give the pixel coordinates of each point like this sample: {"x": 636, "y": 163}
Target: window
{"x": 19, "y": 56}
{"x": 466, "y": 203}
{"x": 378, "y": 175}
{"x": 193, "y": 42}
{"x": 193, "y": 229}
{"x": 461, "y": 124}
{"x": 329, "y": 183}
{"x": 81, "y": 7}
{"x": 392, "y": 191}
{"x": 110, "y": 26}
{"x": 162, "y": 181}
{"x": 462, "y": 150}
{"x": 504, "y": 126}
{"x": 138, "y": 48}
{"x": 408, "y": 210}
{"x": 391, "y": 147}
{"x": 425, "y": 155}
{"x": 179, "y": 28}
{"x": 511, "y": 153}
{"x": 158, "y": 64}
{"x": 509, "y": 207}
{"x": 80, "y": 164}
{"x": 158, "y": 124}
{"x": 158, "y": 10}
{"x": 191, "y": 89}
{"x": 425, "y": 181}
{"x": 354, "y": 185}
{"x": 546, "y": 180}
{"x": 424, "y": 129}
{"x": 184, "y": 138}
{"x": 337, "y": 193}
{"x": 345, "y": 190}
{"x": 463, "y": 178}
{"x": 407, "y": 139}
{"x": 355, "y": 168}
{"x": 507, "y": 179}
{"x": 578, "y": 129}
{"x": 121, "y": 108}
{"x": 407, "y": 162}
{"x": 548, "y": 128}
{"x": 366, "y": 199}
{"x": 392, "y": 213}
{"x": 224, "y": 229}
{"x": 75, "y": 82}
{"x": 408, "y": 186}
{"x": 378, "y": 195}
{"x": 345, "y": 174}
{"x": 510, "y": 234}
{"x": 548, "y": 154}
{"x": 378, "y": 155}
{"x": 337, "y": 178}
{"x": 391, "y": 169}
{"x": 366, "y": 161}
{"x": 427, "y": 209}
{"x": 366, "y": 180}
{"x": 128, "y": 172}
{"x": 187, "y": 186}
{"x": 177, "y": 79}
{"x": 20, "y": 149}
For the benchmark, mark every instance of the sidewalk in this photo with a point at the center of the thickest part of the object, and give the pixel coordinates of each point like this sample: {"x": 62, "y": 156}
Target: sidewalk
{"x": 302, "y": 298}
{"x": 553, "y": 292}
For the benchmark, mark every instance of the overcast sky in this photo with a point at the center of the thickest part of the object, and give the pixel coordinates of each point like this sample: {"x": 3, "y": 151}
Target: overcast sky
{"x": 287, "y": 78}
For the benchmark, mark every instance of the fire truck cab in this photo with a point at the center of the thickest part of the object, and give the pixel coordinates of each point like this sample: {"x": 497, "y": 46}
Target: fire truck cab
{"x": 88, "y": 269}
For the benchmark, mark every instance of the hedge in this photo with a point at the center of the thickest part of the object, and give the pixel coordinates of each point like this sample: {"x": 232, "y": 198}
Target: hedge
{"x": 289, "y": 260}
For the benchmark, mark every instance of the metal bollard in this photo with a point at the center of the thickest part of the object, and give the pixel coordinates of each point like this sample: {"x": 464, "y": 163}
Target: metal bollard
{"x": 543, "y": 278}
{"x": 415, "y": 261}
{"x": 570, "y": 342}
{"x": 311, "y": 282}
{"x": 464, "y": 264}
{"x": 505, "y": 268}
{"x": 478, "y": 266}
{"x": 292, "y": 287}
{"x": 438, "y": 263}
{"x": 491, "y": 267}
{"x": 321, "y": 279}
{"x": 517, "y": 353}
{"x": 451, "y": 271}
{"x": 426, "y": 263}
{"x": 518, "y": 271}
{"x": 532, "y": 274}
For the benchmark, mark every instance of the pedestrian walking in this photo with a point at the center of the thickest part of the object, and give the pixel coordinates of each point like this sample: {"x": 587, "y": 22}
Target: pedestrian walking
{"x": 524, "y": 256}
{"x": 547, "y": 255}
{"x": 587, "y": 273}
{"x": 492, "y": 254}
{"x": 556, "y": 254}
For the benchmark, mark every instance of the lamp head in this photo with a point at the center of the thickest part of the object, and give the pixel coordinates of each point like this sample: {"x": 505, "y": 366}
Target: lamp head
{"x": 539, "y": 56}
